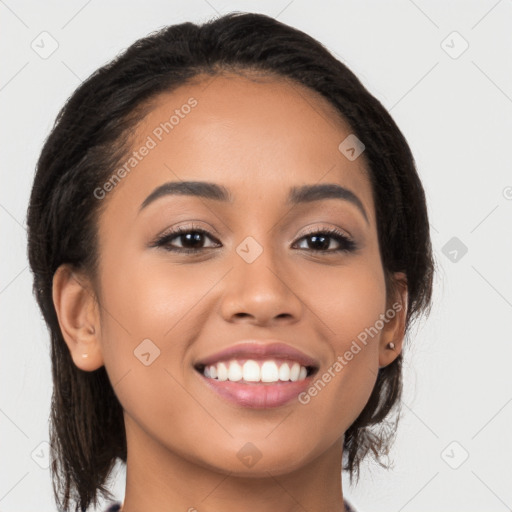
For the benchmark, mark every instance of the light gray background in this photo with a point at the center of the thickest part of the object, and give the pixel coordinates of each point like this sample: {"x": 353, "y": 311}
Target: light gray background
{"x": 456, "y": 114}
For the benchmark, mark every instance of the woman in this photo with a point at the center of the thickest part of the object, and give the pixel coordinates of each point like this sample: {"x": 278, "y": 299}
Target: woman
{"x": 229, "y": 242}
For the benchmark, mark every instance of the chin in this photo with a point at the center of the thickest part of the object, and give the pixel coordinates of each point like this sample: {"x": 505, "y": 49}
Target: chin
{"x": 253, "y": 460}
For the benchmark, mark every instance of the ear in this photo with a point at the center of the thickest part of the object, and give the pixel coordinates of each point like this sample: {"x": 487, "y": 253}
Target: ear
{"x": 78, "y": 315}
{"x": 394, "y": 321}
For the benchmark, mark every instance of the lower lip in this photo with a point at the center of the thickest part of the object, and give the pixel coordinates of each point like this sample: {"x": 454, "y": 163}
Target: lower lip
{"x": 258, "y": 395}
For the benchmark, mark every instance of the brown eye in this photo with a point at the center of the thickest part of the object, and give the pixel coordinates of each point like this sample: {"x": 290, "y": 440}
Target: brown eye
{"x": 190, "y": 240}
{"x": 321, "y": 241}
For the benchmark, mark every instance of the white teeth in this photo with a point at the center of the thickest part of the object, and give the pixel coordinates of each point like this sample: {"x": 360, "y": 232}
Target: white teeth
{"x": 253, "y": 371}
{"x": 222, "y": 372}
{"x": 284, "y": 372}
{"x": 235, "y": 372}
{"x": 269, "y": 372}
{"x": 294, "y": 372}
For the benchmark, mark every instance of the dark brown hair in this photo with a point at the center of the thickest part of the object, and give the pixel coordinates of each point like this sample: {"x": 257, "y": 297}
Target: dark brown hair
{"x": 91, "y": 136}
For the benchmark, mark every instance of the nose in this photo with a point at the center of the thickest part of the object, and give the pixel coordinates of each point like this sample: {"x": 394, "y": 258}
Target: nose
{"x": 260, "y": 293}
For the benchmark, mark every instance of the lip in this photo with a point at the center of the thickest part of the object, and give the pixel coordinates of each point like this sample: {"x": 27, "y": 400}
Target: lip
{"x": 259, "y": 349}
{"x": 255, "y": 395}
{"x": 258, "y": 395}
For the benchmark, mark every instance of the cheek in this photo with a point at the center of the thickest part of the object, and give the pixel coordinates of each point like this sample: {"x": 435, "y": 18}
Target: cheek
{"x": 146, "y": 329}
{"x": 154, "y": 299}
{"x": 346, "y": 299}
{"x": 153, "y": 310}
{"x": 349, "y": 303}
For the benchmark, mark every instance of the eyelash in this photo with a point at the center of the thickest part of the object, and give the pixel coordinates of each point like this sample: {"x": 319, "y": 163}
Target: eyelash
{"x": 346, "y": 243}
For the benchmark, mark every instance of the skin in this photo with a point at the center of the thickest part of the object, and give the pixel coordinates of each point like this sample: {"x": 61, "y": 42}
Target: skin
{"x": 258, "y": 138}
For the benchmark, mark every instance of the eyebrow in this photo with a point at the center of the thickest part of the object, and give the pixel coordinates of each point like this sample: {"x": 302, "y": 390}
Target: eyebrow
{"x": 297, "y": 195}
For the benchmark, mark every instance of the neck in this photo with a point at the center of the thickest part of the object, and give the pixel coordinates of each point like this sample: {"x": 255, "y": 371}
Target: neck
{"x": 159, "y": 479}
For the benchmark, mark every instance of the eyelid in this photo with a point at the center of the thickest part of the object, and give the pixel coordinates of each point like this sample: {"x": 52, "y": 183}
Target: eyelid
{"x": 189, "y": 225}
{"x": 316, "y": 229}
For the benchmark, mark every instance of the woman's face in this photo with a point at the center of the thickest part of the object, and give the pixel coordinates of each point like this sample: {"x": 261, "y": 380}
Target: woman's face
{"x": 257, "y": 275}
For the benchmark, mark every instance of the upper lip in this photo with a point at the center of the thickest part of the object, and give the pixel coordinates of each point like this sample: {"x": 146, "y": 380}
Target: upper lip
{"x": 259, "y": 349}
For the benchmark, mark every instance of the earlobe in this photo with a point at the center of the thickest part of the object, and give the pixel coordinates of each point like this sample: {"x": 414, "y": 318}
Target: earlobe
{"x": 393, "y": 332}
{"x": 78, "y": 317}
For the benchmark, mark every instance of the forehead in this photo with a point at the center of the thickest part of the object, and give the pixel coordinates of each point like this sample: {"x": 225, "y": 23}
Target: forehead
{"x": 257, "y": 136}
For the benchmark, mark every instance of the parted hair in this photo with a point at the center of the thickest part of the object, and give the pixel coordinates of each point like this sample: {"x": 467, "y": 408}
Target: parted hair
{"x": 92, "y": 135}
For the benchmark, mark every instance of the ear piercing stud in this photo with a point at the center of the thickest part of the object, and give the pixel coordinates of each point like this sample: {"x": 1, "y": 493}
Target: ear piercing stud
{"x": 391, "y": 345}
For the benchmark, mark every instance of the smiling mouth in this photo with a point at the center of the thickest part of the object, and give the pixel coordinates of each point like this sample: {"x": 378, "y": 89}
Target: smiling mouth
{"x": 256, "y": 371}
